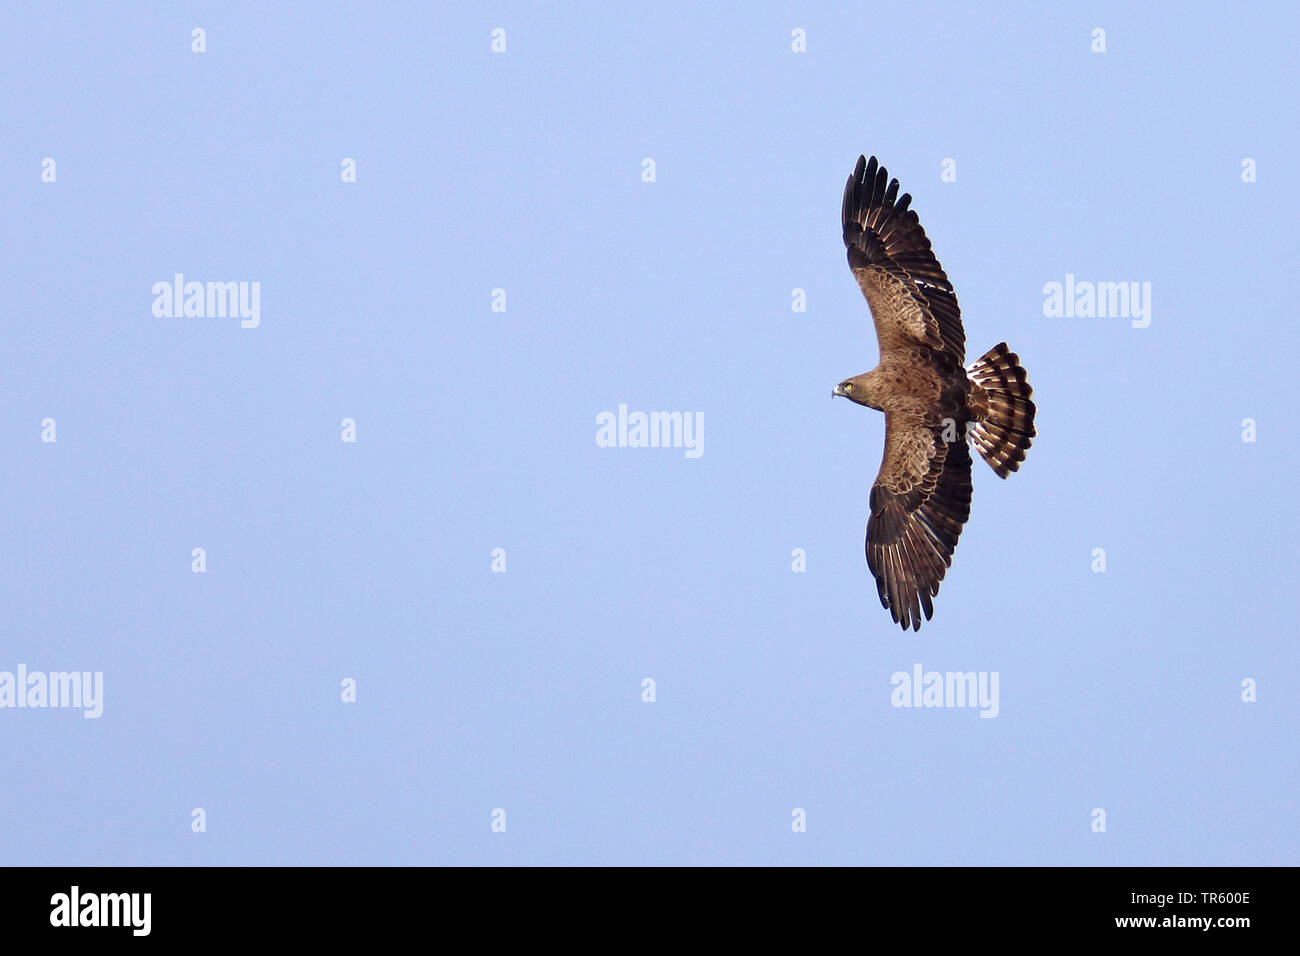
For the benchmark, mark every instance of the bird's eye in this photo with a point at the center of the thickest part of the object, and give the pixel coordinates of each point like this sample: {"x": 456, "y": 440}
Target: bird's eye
{"x": 848, "y": 386}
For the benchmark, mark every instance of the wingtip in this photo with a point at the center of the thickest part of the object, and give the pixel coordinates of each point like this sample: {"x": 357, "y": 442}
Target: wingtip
{"x": 865, "y": 170}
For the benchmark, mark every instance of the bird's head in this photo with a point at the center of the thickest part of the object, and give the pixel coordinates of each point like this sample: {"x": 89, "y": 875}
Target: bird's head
{"x": 855, "y": 390}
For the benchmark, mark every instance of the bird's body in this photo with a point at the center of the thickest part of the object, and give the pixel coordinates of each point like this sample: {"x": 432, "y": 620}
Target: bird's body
{"x": 933, "y": 405}
{"x": 906, "y": 379}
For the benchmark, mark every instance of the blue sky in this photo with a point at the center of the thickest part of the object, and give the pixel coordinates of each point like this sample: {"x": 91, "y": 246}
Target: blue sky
{"x": 475, "y": 429}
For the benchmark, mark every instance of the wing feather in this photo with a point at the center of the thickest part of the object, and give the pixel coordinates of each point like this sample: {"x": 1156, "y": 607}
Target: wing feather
{"x": 910, "y": 297}
{"x": 919, "y": 503}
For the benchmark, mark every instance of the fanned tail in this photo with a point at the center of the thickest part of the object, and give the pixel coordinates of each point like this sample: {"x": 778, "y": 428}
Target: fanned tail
{"x": 1007, "y": 429}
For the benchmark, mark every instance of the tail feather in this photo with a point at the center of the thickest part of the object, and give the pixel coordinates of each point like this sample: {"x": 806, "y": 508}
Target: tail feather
{"x": 1005, "y": 433}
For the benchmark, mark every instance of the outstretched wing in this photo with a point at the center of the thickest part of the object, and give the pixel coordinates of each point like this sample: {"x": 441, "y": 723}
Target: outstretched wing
{"x": 909, "y": 294}
{"x": 919, "y": 503}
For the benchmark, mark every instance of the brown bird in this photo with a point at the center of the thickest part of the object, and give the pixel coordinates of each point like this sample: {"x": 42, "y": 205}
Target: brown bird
{"x": 933, "y": 405}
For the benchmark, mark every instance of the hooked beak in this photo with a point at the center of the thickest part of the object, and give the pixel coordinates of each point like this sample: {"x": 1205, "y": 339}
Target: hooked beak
{"x": 838, "y": 390}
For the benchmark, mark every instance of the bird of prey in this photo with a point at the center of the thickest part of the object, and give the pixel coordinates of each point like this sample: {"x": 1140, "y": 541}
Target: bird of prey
{"x": 934, "y": 406}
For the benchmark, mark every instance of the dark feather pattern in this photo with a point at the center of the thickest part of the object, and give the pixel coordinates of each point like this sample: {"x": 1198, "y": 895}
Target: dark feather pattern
{"x": 887, "y": 234}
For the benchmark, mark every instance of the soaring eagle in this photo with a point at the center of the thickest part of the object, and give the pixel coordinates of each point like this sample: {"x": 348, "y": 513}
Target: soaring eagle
{"x": 933, "y": 405}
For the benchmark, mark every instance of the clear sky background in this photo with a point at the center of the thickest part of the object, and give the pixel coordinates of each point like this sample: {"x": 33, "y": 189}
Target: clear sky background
{"x": 476, "y": 430}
